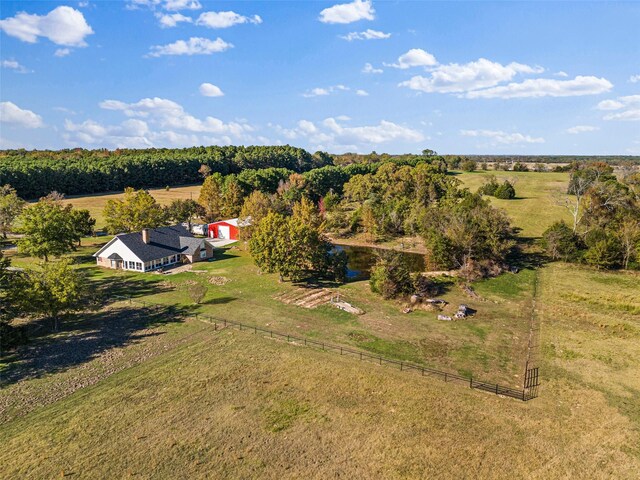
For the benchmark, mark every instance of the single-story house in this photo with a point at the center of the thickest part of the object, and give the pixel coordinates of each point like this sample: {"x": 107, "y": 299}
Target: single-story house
{"x": 224, "y": 229}
{"x": 152, "y": 249}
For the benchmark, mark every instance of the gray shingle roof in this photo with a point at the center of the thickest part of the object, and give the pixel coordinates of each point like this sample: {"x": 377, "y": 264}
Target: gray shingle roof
{"x": 163, "y": 242}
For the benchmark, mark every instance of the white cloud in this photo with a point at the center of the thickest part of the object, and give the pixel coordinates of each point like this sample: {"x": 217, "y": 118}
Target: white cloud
{"x": 362, "y": 93}
{"x": 210, "y": 90}
{"x": 547, "y": 87}
{"x": 193, "y": 46}
{"x": 169, "y": 114}
{"x": 15, "y": 65}
{"x": 634, "y": 78}
{"x": 175, "y": 5}
{"x": 169, "y": 20}
{"x": 456, "y": 78}
{"x": 368, "y": 68}
{"x": 155, "y": 122}
{"x": 62, "y": 52}
{"x": 323, "y": 91}
{"x": 582, "y": 129}
{"x": 225, "y": 19}
{"x": 622, "y": 108}
{"x": 348, "y": 12}
{"x": 368, "y": 34}
{"x": 333, "y": 135}
{"x": 500, "y": 137}
{"x": 62, "y": 25}
{"x": 561, "y": 74}
{"x": 416, "y": 57}
{"x": 11, "y": 113}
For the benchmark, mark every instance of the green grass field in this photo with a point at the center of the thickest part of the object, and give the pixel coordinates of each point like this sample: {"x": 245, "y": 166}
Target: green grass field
{"x": 535, "y": 207}
{"x": 125, "y": 392}
{"x": 96, "y": 203}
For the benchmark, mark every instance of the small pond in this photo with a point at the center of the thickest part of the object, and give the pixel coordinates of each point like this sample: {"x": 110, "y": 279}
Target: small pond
{"x": 361, "y": 259}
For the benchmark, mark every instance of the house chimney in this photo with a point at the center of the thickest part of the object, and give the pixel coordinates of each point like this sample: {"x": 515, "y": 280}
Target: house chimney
{"x": 146, "y": 235}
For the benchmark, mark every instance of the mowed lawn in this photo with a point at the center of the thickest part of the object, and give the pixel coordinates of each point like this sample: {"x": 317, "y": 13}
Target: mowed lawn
{"x": 96, "y": 203}
{"x": 232, "y": 404}
{"x": 536, "y": 205}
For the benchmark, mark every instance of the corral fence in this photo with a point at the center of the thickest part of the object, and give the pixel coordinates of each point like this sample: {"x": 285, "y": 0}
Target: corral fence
{"x": 525, "y": 394}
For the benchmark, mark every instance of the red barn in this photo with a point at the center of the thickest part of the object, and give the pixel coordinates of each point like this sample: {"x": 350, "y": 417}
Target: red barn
{"x": 224, "y": 229}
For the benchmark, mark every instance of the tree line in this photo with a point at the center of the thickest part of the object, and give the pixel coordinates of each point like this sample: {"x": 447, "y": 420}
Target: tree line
{"x": 34, "y": 174}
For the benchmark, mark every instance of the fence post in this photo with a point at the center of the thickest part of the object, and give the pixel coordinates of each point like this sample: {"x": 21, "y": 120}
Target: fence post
{"x": 215, "y": 326}
{"x": 445, "y": 377}
{"x": 471, "y": 382}
{"x": 255, "y": 329}
{"x": 496, "y": 389}
{"x": 380, "y": 359}
{"x": 340, "y": 350}
{"x": 401, "y": 366}
{"x": 360, "y": 355}
{"x": 423, "y": 371}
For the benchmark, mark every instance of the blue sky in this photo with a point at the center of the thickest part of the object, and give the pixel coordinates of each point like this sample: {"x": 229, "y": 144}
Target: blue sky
{"x": 457, "y": 77}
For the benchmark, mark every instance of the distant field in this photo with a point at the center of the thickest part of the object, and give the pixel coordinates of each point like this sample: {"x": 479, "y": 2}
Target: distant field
{"x": 234, "y": 405}
{"x": 534, "y": 208}
{"x": 96, "y": 203}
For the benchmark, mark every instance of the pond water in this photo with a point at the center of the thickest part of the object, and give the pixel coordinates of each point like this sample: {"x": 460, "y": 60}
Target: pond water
{"x": 361, "y": 259}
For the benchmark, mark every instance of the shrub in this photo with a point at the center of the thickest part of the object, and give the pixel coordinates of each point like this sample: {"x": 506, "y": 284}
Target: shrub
{"x": 489, "y": 187}
{"x": 560, "y": 242}
{"x": 605, "y": 253}
{"x": 390, "y": 276}
{"x": 520, "y": 167}
{"x": 506, "y": 191}
{"x": 469, "y": 165}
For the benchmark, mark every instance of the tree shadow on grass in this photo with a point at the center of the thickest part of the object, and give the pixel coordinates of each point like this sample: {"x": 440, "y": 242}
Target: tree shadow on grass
{"x": 83, "y": 337}
{"x": 528, "y": 254}
{"x": 219, "y": 301}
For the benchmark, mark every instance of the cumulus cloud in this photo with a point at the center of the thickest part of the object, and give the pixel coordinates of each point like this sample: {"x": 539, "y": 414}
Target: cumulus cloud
{"x": 503, "y": 138}
{"x": 582, "y": 129}
{"x": 170, "y": 5}
{"x": 193, "y": 46}
{"x": 15, "y": 66}
{"x": 368, "y": 34}
{"x": 323, "y": 91}
{"x": 155, "y": 122}
{"x": 634, "y": 78}
{"x": 622, "y": 108}
{"x": 62, "y": 52}
{"x": 362, "y": 93}
{"x": 210, "y": 90}
{"x": 368, "y": 68}
{"x": 225, "y": 19}
{"x": 169, "y": 20}
{"x": 62, "y": 25}
{"x": 348, "y": 12}
{"x": 456, "y": 78}
{"x": 176, "y": 5}
{"x": 12, "y": 114}
{"x": 416, "y": 57}
{"x": 547, "y": 87}
{"x": 333, "y": 134}
{"x": 169, "y": 114}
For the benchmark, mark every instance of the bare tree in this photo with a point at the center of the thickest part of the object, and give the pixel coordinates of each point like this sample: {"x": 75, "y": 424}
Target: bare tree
{"x": 575, "y": 203}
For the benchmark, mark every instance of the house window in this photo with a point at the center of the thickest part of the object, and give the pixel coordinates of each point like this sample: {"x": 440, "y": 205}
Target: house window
{"x": 132, "y": 265}
{"x": 138, "y": 266}
{"x": 203, "y": 253}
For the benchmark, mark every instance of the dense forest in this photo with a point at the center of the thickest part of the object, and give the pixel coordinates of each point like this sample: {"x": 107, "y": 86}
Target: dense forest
{"x": 73, "y": 172}
{"x": 78, "y": 171}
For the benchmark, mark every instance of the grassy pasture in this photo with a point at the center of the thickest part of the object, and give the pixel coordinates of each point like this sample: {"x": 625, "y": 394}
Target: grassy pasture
{"x": 490, "y": 345}
{"x": 534, "y": 208}
{"x": 96, "y": 203}
{"x": 234, "y": 405}
{"x": 164, "y": 399}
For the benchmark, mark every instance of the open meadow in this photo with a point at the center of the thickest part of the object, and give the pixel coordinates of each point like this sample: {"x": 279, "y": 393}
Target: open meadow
{"x": 156, "y": 393}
